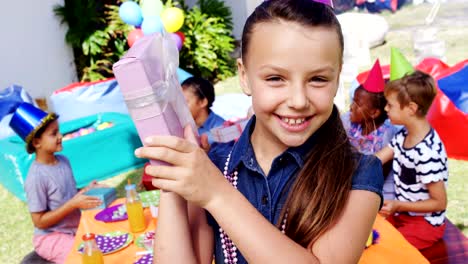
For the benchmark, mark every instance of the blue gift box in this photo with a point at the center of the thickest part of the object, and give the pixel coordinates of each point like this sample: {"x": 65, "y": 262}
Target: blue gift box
{"x": 107, "y": 196}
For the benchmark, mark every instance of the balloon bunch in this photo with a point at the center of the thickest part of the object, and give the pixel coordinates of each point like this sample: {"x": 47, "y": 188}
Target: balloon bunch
{"x": 150, "y": 18}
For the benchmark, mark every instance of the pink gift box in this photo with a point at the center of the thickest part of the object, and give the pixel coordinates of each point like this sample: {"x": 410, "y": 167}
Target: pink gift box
{"x": 148, "y": 81}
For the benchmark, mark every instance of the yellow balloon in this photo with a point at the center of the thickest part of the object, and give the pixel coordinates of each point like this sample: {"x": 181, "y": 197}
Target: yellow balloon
{"x": 173, "y": 19}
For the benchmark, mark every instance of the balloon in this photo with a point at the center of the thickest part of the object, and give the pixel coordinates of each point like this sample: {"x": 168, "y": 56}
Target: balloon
{"x": 177, "y": 40}
{"x": 130, "y": 13}
{"x": 133, "y": 36}
{"x": 151, "y": 7}
{"x": 172, "y": 18}
{"x": 181, "y": 35}
{"x": 151, "y": 25}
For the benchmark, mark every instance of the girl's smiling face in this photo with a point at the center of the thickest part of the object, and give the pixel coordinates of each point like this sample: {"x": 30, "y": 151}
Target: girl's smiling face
{"x": 292, "y": 72}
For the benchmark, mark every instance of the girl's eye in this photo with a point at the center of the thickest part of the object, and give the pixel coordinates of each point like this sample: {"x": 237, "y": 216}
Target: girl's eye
{"x": 273, "y": 79}
{"x": 319, "y": 79}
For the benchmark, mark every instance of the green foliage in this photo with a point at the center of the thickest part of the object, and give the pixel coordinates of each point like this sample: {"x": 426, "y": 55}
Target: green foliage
{"x": 207, "y": 46}
{"x": 97, "y": 40}
{"x": 216, "y": 8}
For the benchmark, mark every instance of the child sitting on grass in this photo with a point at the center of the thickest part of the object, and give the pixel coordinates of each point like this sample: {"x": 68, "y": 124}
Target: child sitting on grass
{"x": 50, "y": 187}
{"x": 419, "y": 162}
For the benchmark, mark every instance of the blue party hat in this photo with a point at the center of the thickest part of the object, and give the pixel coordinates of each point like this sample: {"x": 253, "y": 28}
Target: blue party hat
{"x": 28, "y": 119}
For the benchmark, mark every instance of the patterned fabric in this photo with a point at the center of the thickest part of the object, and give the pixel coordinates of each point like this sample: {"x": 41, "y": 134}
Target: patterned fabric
{"x": 415, "y": 167}
{"x": 374, "y": 141}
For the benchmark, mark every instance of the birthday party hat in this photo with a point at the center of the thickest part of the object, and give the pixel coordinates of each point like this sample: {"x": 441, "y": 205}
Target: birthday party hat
{"x": 374, "y": 82}
{"x": 399, "y": 65}
{"x": 28, "y": 119}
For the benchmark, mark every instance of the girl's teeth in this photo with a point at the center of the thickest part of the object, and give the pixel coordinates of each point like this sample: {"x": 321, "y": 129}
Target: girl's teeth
{"x": 293, "y": 122}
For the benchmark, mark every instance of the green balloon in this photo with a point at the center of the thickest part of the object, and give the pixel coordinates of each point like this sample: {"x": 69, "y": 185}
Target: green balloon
{"x": 151, "y": 8}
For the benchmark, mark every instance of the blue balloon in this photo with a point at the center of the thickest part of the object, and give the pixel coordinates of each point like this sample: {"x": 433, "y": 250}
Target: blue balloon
{"x": 130, "y": 13}
{"x": 152, "y": 24}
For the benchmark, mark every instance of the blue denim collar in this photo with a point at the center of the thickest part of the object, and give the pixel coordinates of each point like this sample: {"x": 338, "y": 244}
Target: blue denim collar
{"x": 242, "y": 150}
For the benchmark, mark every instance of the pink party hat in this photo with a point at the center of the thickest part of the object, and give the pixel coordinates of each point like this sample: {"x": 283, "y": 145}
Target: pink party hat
{"x": 375, "y": 82}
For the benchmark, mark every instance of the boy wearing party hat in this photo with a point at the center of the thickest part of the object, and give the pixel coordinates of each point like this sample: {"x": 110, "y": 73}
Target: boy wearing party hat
{"x": 366, "y": 123}
{"x": 419, "y": 157}
{"x": 50, "y": 187}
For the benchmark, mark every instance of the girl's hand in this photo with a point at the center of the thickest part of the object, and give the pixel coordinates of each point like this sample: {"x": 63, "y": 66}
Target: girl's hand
{"x": 192, "y": 174}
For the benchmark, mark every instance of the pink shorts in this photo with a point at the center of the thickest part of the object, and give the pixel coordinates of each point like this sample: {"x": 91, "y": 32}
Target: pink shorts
{"x": 54, "y": 246}
{"x": 417, "y": 230}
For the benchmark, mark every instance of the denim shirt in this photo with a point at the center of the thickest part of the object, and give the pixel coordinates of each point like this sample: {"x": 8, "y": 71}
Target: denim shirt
{"x": 268, "y": 193}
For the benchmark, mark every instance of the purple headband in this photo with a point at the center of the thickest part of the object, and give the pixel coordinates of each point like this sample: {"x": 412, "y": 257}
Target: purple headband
{"x": 325, "y": 2}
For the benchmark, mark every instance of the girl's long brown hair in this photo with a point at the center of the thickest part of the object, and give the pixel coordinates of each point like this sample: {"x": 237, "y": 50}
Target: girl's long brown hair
{"x": 321, "y": 189}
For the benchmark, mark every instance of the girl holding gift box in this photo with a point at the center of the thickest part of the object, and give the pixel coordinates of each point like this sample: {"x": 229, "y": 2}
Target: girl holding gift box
{"x": 293, "y": 190}
{"x": 50, "y": 187}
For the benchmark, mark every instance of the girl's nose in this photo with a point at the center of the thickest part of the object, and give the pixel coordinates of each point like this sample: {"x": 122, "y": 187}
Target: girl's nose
{"x": 298, "y": 97}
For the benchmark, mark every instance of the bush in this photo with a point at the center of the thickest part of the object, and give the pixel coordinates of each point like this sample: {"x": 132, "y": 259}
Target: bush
{"x": 207, "y": 46}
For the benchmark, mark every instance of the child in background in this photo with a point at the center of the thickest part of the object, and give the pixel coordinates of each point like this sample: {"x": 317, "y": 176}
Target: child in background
{"x": 419, "y": 162}
{"x": 368, "y": 128}
{"x": 50, "y": 187}
{"x": 291, "y": 188}
{"x": 199, "y": 94}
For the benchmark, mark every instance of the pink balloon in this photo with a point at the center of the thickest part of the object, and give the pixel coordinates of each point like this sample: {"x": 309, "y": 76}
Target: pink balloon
{"x": 177, "y": 40}
{"x": 133, "y": 36}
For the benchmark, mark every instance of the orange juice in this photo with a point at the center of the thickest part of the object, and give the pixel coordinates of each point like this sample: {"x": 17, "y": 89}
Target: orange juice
{"x": 91, "y": 252}
{"x": 95, "y": 257}
{"x": 136, "y": 217}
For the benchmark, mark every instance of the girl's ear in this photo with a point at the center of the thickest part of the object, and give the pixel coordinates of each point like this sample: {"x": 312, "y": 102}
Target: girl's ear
{"x": 203, "y": 102}
{"x": 375, "y": 113}
{"x": 243, "y": 77}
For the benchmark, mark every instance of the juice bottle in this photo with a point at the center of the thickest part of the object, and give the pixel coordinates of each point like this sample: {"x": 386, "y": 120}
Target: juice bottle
{"x": 91, "y": 252}
{"x": 136, "y": 218}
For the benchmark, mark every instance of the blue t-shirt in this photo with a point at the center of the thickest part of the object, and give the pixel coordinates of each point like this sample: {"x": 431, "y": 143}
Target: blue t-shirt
{"x": 268, "y": 193}
{"x": 212, "y": 121}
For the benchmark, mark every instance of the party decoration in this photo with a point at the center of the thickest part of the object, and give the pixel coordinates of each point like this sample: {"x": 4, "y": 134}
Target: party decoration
{"x": 177, "y": 40}
{"x": 152, "y": 25}
{"x": 399, "y": 65}
{"x": 173, "y": 19}
{"x": 181, "y": 35}
{"x": 151, "y": 8}
{"x": 375, "y": 82}
{"x": 130, "y": 13}
{"x": 133, "y": 36}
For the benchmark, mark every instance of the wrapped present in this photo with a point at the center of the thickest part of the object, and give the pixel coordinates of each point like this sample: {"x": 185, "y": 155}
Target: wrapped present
{"x": 147, "y": 75}
{"x": 107, "y": 196}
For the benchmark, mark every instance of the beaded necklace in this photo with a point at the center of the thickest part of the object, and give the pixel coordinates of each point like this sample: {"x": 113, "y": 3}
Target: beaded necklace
{"x": 229, "y": 248}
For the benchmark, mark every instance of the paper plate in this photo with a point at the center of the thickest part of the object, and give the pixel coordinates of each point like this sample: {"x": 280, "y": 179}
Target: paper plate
{"x": 149, "y": 198}
{"x": 145, "y": 240}
{"x": 111, "y": 242}
{"x": 146, "y": 259}
{"x": 112, "y": 214}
